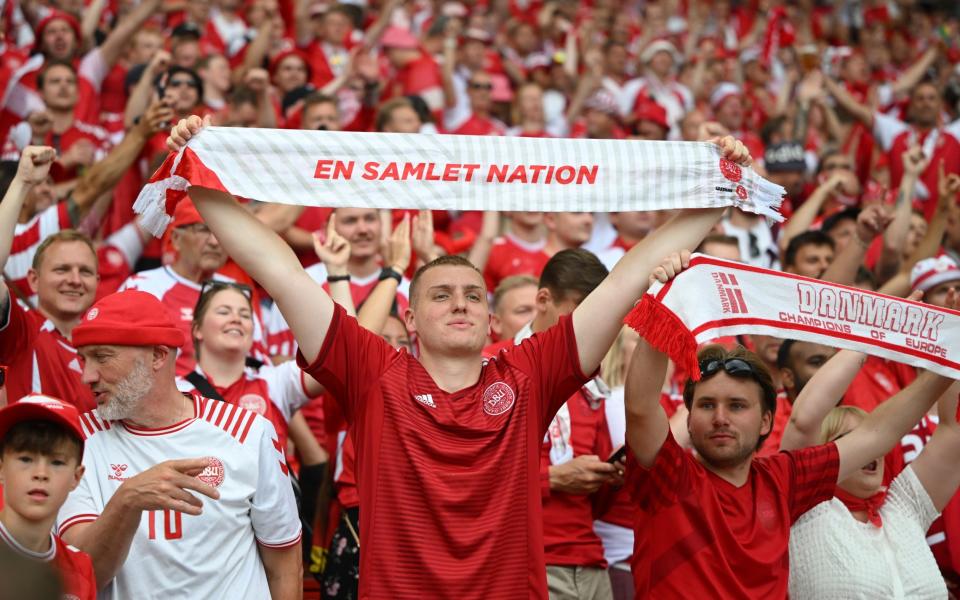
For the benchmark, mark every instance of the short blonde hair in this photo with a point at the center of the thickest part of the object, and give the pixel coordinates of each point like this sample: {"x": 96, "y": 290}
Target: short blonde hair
{"x": 833, "y": 423}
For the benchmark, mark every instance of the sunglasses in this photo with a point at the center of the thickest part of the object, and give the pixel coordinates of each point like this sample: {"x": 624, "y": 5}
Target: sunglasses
{"x": 481, "y": 86}
{"x": 212, "y": 286}
{"x": 736, "y": 367}
{"x": 175, "y": 83}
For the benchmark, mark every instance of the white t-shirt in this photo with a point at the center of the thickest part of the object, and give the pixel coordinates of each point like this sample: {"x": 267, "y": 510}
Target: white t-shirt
{"x": 214, "y": 554}
{"x": 832, "y": 555}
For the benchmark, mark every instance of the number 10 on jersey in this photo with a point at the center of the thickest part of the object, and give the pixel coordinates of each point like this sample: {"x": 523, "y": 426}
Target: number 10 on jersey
{"x": 172, "y": 524}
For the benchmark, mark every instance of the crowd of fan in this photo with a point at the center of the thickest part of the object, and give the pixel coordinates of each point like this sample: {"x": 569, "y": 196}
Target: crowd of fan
{"x": 853, "y": 107}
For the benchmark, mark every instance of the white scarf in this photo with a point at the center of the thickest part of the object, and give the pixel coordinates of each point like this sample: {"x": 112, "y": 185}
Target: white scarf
{"x": 453, "y": 172}
{"x": 734, "y": 298}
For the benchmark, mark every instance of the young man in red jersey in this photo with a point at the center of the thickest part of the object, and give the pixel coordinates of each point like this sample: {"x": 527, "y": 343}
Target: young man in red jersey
{"x": 41, "y": 445}
{"x": 718, "y": 525}
{"x": 447, "y": 446}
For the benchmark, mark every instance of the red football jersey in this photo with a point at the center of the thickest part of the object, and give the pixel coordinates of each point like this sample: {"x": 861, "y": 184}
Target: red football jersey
{"x": 449, "y": 482}
{"x": 698, "y": 536}
{"x": 579, "y": 428}
{"x": 512, "y": 256}
{"x": 75, "y": 567}
{"x": 39, "y": 359}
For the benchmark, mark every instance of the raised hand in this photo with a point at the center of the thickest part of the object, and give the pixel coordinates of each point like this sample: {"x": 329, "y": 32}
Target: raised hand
{"x": 733, "y": 150}
{"x": 183, "y": 131}
{"x": 156, "y": 118}
{"x": 872, "y": 221}
{"x": 948, "y": 186}
{"x": 914, "y": 161}
{"x": 399, "y": 248}
{"x": 423, "y": 245}
{"x": 81, "y": 154}
{"x": 35, "y": 162}
{"x": 164, "y": 487}
{"x": 671, "y": 267}
{"x": 333, "y": 249}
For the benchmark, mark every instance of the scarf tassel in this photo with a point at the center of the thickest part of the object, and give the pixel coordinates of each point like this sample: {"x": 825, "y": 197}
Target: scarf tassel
{"x": 663, "y": 330}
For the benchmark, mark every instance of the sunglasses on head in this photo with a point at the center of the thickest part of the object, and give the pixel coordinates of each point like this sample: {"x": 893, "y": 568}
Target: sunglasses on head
{"x": 212, "y": 286}
{"x": 732, "y": 366}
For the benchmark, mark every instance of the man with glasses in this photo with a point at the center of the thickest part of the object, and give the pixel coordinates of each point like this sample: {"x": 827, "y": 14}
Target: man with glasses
{"x": 480, "y": 122}
{"x": 719, "y": 523}
{"x": 198, "y": 257}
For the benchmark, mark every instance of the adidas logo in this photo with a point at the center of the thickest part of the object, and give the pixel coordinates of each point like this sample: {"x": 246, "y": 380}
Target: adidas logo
{"x": 425, "y": 399}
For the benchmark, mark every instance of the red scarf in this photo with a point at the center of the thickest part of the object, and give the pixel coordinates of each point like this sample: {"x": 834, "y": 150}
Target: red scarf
{"x": 871, "y": 505}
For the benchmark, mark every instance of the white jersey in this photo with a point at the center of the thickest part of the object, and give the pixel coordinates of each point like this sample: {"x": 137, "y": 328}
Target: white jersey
{"x": 214, "y": 554}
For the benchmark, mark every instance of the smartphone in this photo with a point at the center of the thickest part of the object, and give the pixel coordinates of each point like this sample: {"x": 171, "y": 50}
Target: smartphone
{"x": 618, "y": 455}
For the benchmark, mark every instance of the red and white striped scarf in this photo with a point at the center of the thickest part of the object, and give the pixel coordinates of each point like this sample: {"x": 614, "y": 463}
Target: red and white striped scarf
{"x": 734, "y": 298}
{"x": 393, "y": 170}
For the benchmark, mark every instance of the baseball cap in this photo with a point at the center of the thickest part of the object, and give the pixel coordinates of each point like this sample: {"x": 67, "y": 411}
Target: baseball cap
{"x": 186, "y": 30}
{"x": 723, "y": 91}
{"x": 931, "y": 272}
{"x": 37, "y": 407}
{"x": 784, "y": 157}
{"x": 649, "y": 110}
{"x": 128, "y": 318}
{"x": 660, "y": 46}
{"x": 398, "y": 37}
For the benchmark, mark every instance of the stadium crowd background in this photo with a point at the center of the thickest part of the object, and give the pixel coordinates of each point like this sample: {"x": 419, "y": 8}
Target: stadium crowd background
{"x": 852, "y": 106}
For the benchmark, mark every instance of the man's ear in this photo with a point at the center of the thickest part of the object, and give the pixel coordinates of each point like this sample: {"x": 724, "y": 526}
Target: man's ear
{"x": 409, "y": 321}
{"x": 33, "y": 280}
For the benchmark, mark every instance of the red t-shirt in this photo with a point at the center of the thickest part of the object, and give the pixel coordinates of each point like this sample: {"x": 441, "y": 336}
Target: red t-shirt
{"x": 698, "y": 536}
{"x": 896, "y": 137}
{"x": 780, "y": 421}
{"x": 75, "y": 567}
{"x": 878, "y": 380}
{"x": 578, "y": 429}
{"x": 449, "y": 482}
{"x": 511, "y": 256}
{"x": 39, "y": 359}
{"x": 480, "y": 126}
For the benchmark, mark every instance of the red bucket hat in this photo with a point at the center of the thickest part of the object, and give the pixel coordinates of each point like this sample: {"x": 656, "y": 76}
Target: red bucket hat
{"x": 129, "y": 318}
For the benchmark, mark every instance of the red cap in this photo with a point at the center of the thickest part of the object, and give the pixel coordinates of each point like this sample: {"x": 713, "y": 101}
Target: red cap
{"x": 398, "y": 37}
{"x": 279, "y": 58}
{"x": 653, "y": 112}
{"x": 36, "y": 407}
{"x": 53, "y": 16}
{"x": 129, "y": 318}
{"x": 185, "y": 214}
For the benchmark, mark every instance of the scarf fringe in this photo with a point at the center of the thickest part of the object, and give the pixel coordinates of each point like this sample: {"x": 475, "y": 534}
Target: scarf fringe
{"x": 152, "y": 203}
{"x": 767, "y": 199}
{"x": 664, "y": 330}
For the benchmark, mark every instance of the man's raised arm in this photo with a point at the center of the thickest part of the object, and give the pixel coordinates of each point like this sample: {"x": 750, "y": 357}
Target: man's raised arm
{"x": 263, "y": 255}
{"x": 597, "y": 320}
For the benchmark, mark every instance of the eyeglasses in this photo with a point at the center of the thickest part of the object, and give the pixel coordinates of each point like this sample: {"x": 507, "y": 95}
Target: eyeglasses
{"x": 212, "y": 286}
{"x": 175, "y": 83}
{"x": 481, "y": 86}
{"x": 732, "y": 366}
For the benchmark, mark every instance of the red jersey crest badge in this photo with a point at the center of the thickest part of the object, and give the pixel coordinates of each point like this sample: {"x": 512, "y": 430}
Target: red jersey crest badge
{"x": 731, "y": 170}
{"x": 213, "y": 473}
{"x": 498, "y": 398}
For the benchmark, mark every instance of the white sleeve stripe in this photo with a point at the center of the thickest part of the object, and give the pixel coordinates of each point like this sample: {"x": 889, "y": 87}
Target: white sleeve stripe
{"x": 76, "y": 520}
{"x": 286, "y": 544}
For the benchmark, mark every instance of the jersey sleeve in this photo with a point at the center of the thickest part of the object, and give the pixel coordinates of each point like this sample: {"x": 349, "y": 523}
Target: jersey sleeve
{"x": 813, "y": 476}
{"x": 350, "y": 361}
{"x": 83, "y": 505}
{"x": 908, "y": 495}
{"x": 667, "y": 479}
{"x": 15, "y": 331}
{"x": 886, "y": 129}
{"x": 552, "y": 360}
{"x": 285, "y": 383}
{"x": 274, "y": 512}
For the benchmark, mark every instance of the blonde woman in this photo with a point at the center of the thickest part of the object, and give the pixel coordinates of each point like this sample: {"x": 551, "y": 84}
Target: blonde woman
{"x": 867, "y": 541}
